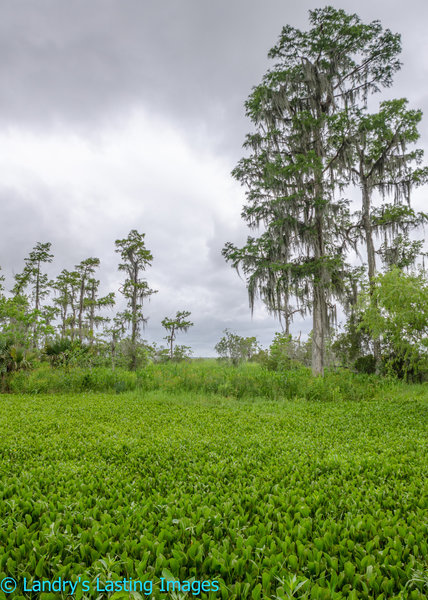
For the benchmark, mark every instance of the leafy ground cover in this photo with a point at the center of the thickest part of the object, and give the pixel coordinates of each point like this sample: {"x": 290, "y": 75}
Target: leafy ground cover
{"x": 271, "y": 498}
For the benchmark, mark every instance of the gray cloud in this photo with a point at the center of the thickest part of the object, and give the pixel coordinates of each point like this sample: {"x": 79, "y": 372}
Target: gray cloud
{"x": 84, "y": 61}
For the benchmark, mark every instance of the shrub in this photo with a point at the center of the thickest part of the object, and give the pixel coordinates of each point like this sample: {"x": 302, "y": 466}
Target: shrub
{"x": 236, "y": 349}
{"x": 249, "y": 380}
{"x": 396, "y": 313}
{"x": 365, "y": 364}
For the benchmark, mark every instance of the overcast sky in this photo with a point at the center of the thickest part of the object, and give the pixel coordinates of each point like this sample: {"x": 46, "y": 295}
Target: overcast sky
{"x": 119, "y": 115}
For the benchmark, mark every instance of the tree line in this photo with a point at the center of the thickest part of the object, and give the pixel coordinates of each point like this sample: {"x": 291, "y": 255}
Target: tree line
{"x": 315, "y": 138}
{"x": 66, "y": 316}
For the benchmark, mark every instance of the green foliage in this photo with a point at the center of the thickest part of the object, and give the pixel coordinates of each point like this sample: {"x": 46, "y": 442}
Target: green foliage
{"x": 402, "y": 252}
{"x": 135, "y": 259}
{"x": 14, "y": 357}
{"x": 248, "y": 380}
{"x": 235, "y": 348}
{"x": 173, "y": 325}
{"x": 272, "y": 499}
{"x": 181, "y": 352}
{"x": 129, "y": 355}
{"x": 396, "y": 313}
{"x": 285, "y": 353}
{"x": 21, "y": 323}
{"x": 354, "y": 343}
{"x": 67, "y": 353}
{"x": 365, "y": 364}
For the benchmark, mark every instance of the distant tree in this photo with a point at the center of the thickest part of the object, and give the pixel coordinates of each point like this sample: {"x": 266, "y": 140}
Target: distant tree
{"x": 295, "y": 168}
{"x": 67, "y": 287}
{"x": 32, "y": 276}
{"x": 114, "y": 332}
{"x": 136, "y": 258}
{"x": 85, "y": 269}
{"x": 235, "y": 348}
{"x": 93, "y": 304}
{"x": 175, "y": 325}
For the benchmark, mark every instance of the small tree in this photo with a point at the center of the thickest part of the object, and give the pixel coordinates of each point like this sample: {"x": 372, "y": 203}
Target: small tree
{"x": 136, "y": 258}
{"x": 396, "y": 314}
{"x": 285, "y": 353}
{"x": 235, "y": 348}
{"x": 175, "y": 324}
{"x": 114, "y": 332}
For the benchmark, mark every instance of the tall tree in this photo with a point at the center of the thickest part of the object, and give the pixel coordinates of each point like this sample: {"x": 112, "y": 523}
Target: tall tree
{"x": 380, "y": 161}
{"x": 294, "y": 167}
{"x": 85, "y": 269}
{"x": 93, "y": 304}
{"x": 67, "y": 286}
{"x": 114, "y": 334}
{"x": 175, "y": 324}
{"x": 32, "y": 276}
{"x": 136, "y": 258}
{"x": 33, "y": 266}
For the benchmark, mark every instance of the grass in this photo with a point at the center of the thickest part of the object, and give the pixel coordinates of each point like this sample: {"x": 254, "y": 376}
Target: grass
{"x": 208, "y": 377}
{"x": 271, "y": 498}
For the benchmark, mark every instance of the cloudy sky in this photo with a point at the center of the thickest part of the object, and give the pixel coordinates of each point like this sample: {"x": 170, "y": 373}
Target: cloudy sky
{"x": 119, "y": 115}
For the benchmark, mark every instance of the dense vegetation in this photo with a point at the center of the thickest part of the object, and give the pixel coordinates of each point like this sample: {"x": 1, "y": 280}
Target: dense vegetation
{"x": 123, "y": 459}
{"x": 210, "y": 377}
{"x": 261, "y": 495}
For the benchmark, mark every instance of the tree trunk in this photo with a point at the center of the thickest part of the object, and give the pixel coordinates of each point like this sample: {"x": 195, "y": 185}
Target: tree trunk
{"x": 320, "y": 324}
{"x": 134, "y": 308}
{"x": 37, "y": 305}
{"x": 371, "y": 256}
{"x": 368, "y": 231}
{"x": 63, "y": 321}
{"x": 318, "y": 333}
{"x": 113, "y": 353}
{"x": 287, "y": 320}
{"x": 82, "y": 295}
{"x": 92, "y": 316}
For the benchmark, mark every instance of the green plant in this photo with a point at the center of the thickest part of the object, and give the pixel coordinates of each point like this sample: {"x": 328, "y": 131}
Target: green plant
{"x": 395, "y": 311}
{"x": 236, "y": 348}
{"x": 271, "y": 499}
{"x": 365, "y": 364}
{"x": 173, "y": 325}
